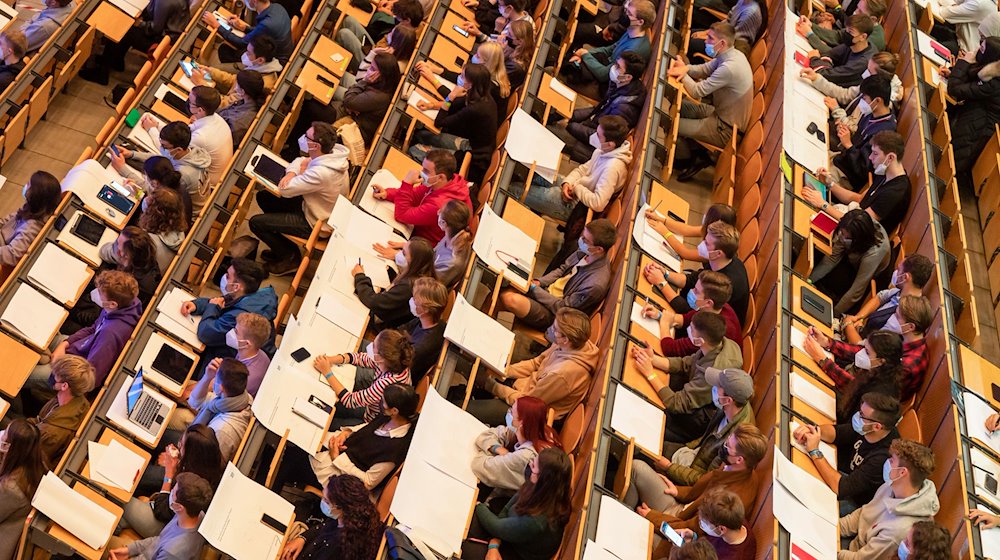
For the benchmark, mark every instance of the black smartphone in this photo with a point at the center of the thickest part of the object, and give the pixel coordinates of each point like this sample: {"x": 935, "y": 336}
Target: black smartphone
{"x": 994, "y": 386}
{"x": 300, "y": 355}
{"x": 517, "y": 269}
{"x": 61, "y": 222}
{"x": 114, "y": 197}
{"x": 319, "y": 403}
{"x": 991, "y": 484}
{"x": 273, "y": 523}
{"x": 177, "y": 102}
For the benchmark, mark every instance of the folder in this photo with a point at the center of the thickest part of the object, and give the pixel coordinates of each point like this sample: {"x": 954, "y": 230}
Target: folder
{"x": 246, "y": 520}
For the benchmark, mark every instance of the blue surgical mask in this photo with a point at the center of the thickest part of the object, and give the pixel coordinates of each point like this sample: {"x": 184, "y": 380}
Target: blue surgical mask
{"x": 715, "y": 397}
{"x": 710, "y": 50}
{"x": 327, "y": 510}
{"x": 460, "y": 82}
{"x": 887, "y": 472}
{"x": 903, "y": 551}
{"x": 583, "y": 245}
{"x": 145, "y": 204}
{"x": 509, "y": 419}
{"x": 400, "y": 259}
{"x": 858, "y": 423}
{"x": 475, "y": 60}
{"x": 703, "y": 250}
{"x": 692, "y": 300}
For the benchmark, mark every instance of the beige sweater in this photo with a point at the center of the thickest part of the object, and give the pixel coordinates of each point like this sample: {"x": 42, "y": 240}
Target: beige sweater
{"x": 561, "y": 378}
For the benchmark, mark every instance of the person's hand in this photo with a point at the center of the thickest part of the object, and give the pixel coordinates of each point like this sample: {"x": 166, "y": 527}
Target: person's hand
{"x": 424, "y": 105}
{"x": 412, "y": 177}
{"x": 649, "y": 311}
{"x": 218, "y": 301}
{"x": 687, "y": 534}
{"x": 117, "y": 162}
{"x": 671, "y": 488}
{"x": 799, "y": 434}
{"x": 969, "y": 57}
{"x": 810, "y": 438}
{"x": 457, "y": 93}
{"x": 470, "y": 3}
{"x": 323, "y": 363}
{"x": 568, "y": 192}
{"x": 813, "y": 348}
{"x": 285, "y": 180}
{"x": 803, "y": 27}
{"x": 213, "y": 367}
{"x": 830, "y": 103}
{"x": 658, "y": 226}
{"x": 654, "y": 274}
{"x": 643, "y": 509}
{"x": 844, "y": 134}
{"x": 433, "y": 68}
{"x": 209, "y": 20}
{"x": 237, "y": 23}
{"x": 643, "y": 360}
{"x": 59, "y": 351}
{"x": 132, "y": 186}
{"x": 147, "y": 122}
{"x": 169, "y": 463}
{"x": 379, "y": 193}
{"x": 303, "y": 166}
{"x": 358, "y": 269}
{"x": 502, "y": 450}
{"x": 677, "y": 69}
{"x": 808, "y": 74}
{"x": 470, "y": 27}
{"x": 384, "y": 251}
{"x": 662, "y": 463}
{"x": 493, "y": 554}
{"x": 606, "y": 33}
{"x": 536, "y": 283}
{"x": 426, "y": 71}
{"x": 823, "y": 340}
{"x": 578, "y": 53}
{"x": 293, "y": 548}
{"x": 198, "y": 78}
{"x": 984, "y": 520}
{"x": 700, "y": 35}
{"x": 944, "y": 71}
{"x": 993, "y": 422}
{"x": 118, "y": 553}
{"x": 812, "y": 196}
{"x": 652, "y": 216}
{"x": 813, "y": 54}
{"x": 187, "y": 308}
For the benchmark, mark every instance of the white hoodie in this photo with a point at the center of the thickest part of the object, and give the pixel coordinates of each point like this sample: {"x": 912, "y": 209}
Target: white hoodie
{"x": 596, "y": 182}
{"x": 320, "y": 184}
{"x": 882, "y": 523}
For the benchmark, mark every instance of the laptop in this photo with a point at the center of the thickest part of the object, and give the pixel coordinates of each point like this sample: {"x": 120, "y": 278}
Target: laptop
{"x": 172, "y": 364}
{"x": 144, "y": 409}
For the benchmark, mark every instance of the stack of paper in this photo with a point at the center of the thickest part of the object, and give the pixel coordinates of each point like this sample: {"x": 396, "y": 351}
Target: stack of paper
{"x": 650, "y": 325}
{"x": 171, "y": 319}
{"x": 562, "y": 90}
{"x": 498, "y": 242}
{"x": 86, "y": 520}
{"x": 242, "y": 519}
{"x": 59, "y": 273}
{"x": 621, "y": 531}
{"x": 798, "y": 337}
{"x": 480, "y": 334}
{"x": 383, "y": 209}
{"x": 529, "y": 142}
{"x": 802, "y": 388}
{"x": 634, "y": 417}
{"x": 805, "y": 506}
{"x": 358, "y": 227}
{"x": 347, "y": 312}
{"x": 33, "y": 315}
{"x": 652, "y": 242}
{"x": 416, "y": 96}
{"x": 114, "y": 464}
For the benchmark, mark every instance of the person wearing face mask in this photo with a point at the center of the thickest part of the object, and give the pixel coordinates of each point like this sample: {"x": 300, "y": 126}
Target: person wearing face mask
{"x": 159, "y": 19}
{"x": 191, "y": 161}
{"x": 452, "y": 253}
{"x": 222, "y": 403}
{"x": 351, "y": 527}
{"x": 907, "y": 496}
{"x": 489, "y": 54}
{"x": 366, "y": 102}
{"x": 509, "y": 12}
{"x": 560, "y": 376}
{"x": 159, "y": 173}
{"x": 44, "y": 24}
{"x": 390, "y": 356}
{"x": 845, "y": 63}
{"x": 711, "y": 293}
{"x": 875, "y": 368}
{"x": 352, "y": 35}
{"x": 270, "y": 19}
{"x": 748, "y": 18}
{"x": 247, "y": 337}
{"x": 689, "y": 408}
{"x": 688, "y": 462}
{"x": 42, "y": 194}
{"x": 671, "y": 227}
{"x": 581, "y": 282}
{"x": 426, "y": 330}
{"x": 22, "y": 467}
{"x": 974, "y": 81}
{"x": 721, "y": 523}
{"x": 243, "y": 103}
{"x": 926, "y": 540}
{"x": 589, "y": 71}
{"x": 391, "y": 307}
{"x": 241, "y": 293}
{"x": 400, "y": 42}
{"x": 162, "y": 218}
{"x": 305, "y": 196}
{"x": 824, "y": 38}
{"x": 845, "y": 102}
{"x": 60, "y": 417}
{"x": 504, "y": 452}
{"x": 518, "y": 42}
{"x": 862, "y": 447}
{"x": 179, "y": 538}
{"x": 13, "y": 47}
{"x": 593, "y": 184}
{"x": 258, "y": 57}
{"x": 860, "y": 251}
{"x": 909, "y": 279}
{"x": 852, "y": 163}
{"x": 660, "y": 500}
{"x": 421, "y": 195}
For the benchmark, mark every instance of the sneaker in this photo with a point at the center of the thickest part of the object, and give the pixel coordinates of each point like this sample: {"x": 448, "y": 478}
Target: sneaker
{"x": 282, "y": 268}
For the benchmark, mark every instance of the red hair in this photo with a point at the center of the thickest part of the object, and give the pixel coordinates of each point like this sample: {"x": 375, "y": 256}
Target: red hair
{"x": 533, "y": 413}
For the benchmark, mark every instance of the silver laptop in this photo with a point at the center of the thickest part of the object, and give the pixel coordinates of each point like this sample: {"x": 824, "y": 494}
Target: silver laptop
{"x": 144, "y": 409}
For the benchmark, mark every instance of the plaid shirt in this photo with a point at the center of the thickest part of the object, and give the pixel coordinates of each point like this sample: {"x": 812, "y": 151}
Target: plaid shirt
{"x": 914, "y": 364}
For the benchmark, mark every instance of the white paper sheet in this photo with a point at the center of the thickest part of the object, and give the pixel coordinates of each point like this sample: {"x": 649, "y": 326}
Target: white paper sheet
{"x": 445, "y": 437}
{"x": 33, "y": 315}
{"x": 344, "y": 311}
{"x": 170, "y": 318}
{"x": 803, "y": 524}
{"x": 499, "y": 242}
{"x": 376, "y": 268}
{"x": 990, "y": 539}
{"x": 233, "y": 520}
{"x": 479, "y": 334}
{"x": 807, "y": 489}
{"x": 434, "y": 504}
{"x": 142, "y": 138}
{"x": 976, "y": 412}
{"x": 383, "y": 209}
{"x": 798, "y": 337}
{"x": 621, "y": 531}
{"x": 802, "y": 388}
{"x": 86, "y": 520}
{"x": 633, "y": 416}
{"x": 652, "y": 242}
{"x": 650, "y": 325}
{"x": 829, "y": 451}
{"x": 562, "y": 90}
{"x": 59, "y": 273}
{"x": 594, "y": 551}
{"x": 284, "y": 384}
{"x": 924, "y": 42}
{"x": 359, "y": 227}
{"x": 530, "y": 142}
{"x": 417, "y": 96}
{"x": 114, "y": 464}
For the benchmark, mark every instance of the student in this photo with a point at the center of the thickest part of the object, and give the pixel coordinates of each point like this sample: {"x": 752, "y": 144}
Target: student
{"x": 197, "y": 453}
{"x": 222, "y": 403}
{"x": 490, "y": 55}
{"x": 854, "y": 161}
{"x": 426, "y": 330}
{"x": 748, "y": 18}
{"x": 241, "y": 293}
{"x": 175, "y": 144}
{"x": 725, "y": 87}
{"x": 42, "y": 194}
{"x": 352, "y": 35}
{"x": 862, "y": 447}
{"x": 390, "y": 359}
{"x": 888, "y": 199}
{"x": 731, "y": 393}
{"x": 390, "y": 307}
{"x": 189, "y": 498}
{"x": 845, "y": 63}
{"x": 269, "y": 19}
{"x": 44, "y": 24}
{"x": 117, "y": 294}
{"x": 965, "y": 16}
{"x": 531, "y": 525}
{"x": 972, "y": 81}
{"x": 258, "y": 57}
{"x": 518, "y": 42}
{"x": 504, "y": 452}
{"x": 163, "y": 219}
{"x": 400, "y": 42}
{"x": 247, "y": 337}
{"x": 72, "y": 379}
{"x": 845, "y": 103}
{"x": 158, "y": 172}
{"x": 243, "y": 103}
{"x": 875, "y": 368}
{"x": 374, "y": 450}
{"x": 22, "y": 467}
{"x": 306, "y": 196}
{"x": 593, "y": 184}
{"x": 417, "y": 203}
{"x": 351, "y": 527}
{"x": 691, "y": 550}
{"x": 824, "y": 39}
{"x": 452, "y": 253}
{"x": 134, "y": 252}
{"x": 719, "y": 249}
{"x": 580, "y": 283}
{"x": 208, "y": 130}
{"x": 913, "y": 317}
{"x": 721, "y": 518}
{"x": 690, "y": 409}
{"x": 908, "y": 496}
{"x": 678, "y": 505}
{"x": 982, "y": 519}
{"x": 860, "y": 251}
{"x": 159, "y": 19}
{"x": 926, "y": 540}
{"x": 560, "y": 376}
{"x": 909, "y": 279}
{"x": 595, "y": 65}
{"x": 711, "y": 293}
{"x": 13, "y": 46}
{"x": 670, "y": 228}
{"x": 510, "y": 11}
{"x": 625, "y": 98}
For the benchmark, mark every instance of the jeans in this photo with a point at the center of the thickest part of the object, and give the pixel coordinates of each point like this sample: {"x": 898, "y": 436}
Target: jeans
{"x": 282, "y": 216}
{"x": 546, "y": 198}
{"x": 646, "y": 487}
{"x": 443, "y": 140}
{"x": 350, "y": 36}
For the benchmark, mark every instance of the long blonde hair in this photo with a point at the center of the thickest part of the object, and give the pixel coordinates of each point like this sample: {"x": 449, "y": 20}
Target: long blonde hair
{"x": 490, "y": 55}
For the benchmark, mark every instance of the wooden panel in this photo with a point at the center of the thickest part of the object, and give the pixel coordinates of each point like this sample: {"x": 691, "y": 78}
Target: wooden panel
{"x": 16, "y": 129}
{"x": 40, "y": 103}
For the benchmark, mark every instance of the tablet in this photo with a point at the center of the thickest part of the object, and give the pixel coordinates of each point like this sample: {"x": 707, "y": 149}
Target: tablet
{"x": 88, "y": 229}
{"x": 267, "y": 168}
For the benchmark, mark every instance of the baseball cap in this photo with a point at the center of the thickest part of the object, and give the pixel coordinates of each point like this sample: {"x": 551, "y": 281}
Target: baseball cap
{"x": 735, "y": 382}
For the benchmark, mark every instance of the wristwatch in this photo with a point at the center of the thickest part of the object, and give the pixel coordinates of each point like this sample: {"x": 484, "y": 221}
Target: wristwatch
{"x": 660, "y": 285}
{"x": 825, "y": 205}
{"x": 816, "y": 454}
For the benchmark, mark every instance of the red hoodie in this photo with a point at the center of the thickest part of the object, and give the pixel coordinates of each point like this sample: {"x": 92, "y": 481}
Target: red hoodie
{"x": 419, "y": 205}
{"x": 684, "y": 347}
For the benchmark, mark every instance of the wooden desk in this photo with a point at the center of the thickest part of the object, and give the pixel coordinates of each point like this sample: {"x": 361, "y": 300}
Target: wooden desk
{"x": 809, "y": 365}
{"x": 57, "y": 532}
{"x": 168, "y": 113}
{"x": 19, "y": 360}
{"x": 562, "y": 105}
{"x": 346, "y": 9}
{"x": 644, "y": 287}
{"x": 462, "y": 10}
{"x": 111, "y": 21}
{"x": 325, "y": 50}
{"x": 979, "y": 375}
{"x": 801, "y": 407}
{"x": 797, "y": 285}
{"x": 399, "y": 164}
{"x": 447, "y": 54}
{"x": 930, "y": 70}
{"x": 802, "y": 460}
{"x": 636, "y": 380}
{"x": 317, "y": 81}
{"x": 107, "y": 435}
{"x": 448, "y": 25}
{"x": 526, "y": 220}
{"x": 422, "y": 118}
{"x": 668, "y": 201}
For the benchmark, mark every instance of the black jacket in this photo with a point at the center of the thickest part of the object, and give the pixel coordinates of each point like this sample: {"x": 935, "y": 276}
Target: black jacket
{"x": 625, "y": 102}
{"x": 973, "y": 121}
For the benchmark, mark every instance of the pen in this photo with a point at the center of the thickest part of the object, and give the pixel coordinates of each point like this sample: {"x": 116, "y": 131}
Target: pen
{"x": 657, "y": 206}
{"x": 359, "y": 261}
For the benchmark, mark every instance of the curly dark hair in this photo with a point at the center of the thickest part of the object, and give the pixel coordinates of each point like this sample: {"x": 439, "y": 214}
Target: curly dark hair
{"x": 362, "y": 528}
{"x": 164, "y": 212}
{"x": 930, "y": 542}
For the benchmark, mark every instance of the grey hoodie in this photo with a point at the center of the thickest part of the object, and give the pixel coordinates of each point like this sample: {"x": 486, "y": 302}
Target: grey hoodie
{"x": 502, "y": 471}
{"x": 596, "y": 182}
{"x": 324, "y": 180}
{"x": 193, "y": 168}
{"x": 882, "y": 523}
{"x": 166, "y": 244}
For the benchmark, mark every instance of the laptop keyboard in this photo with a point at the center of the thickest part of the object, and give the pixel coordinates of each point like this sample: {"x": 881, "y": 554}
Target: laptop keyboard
{"x": 147, "y": 412}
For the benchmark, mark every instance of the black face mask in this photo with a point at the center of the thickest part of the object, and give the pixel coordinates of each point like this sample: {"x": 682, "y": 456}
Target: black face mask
{"x": 527, "y": 472}
{"x": 724, "y": 454}
{"x": 848, "y": 39}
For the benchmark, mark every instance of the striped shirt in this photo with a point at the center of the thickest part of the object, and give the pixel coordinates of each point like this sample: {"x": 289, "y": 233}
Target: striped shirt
{"x": 371, "y": 397}
{"x": 745, "y": 16}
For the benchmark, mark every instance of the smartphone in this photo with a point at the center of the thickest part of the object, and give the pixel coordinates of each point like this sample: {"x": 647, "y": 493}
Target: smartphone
{"x": 300, "y": 355}
{"x": 314, "y": 400}
{"x": 802, "y": 59}
{"x": 991, "y": 484}
{"x": 132, "y": 118}
{"x": 187, "y": 67}
{"x": 273, "y": 523}
{"x": 61, "y": 222}
{"x": 114, "y": 149}
{"x": 460, "y": 31}
{"x": 117, "y": 186}
{"x": 223, "y": 23}
{"x": 116, "y": 199}
{"x": 518, "y": 269}
{"x": 996, "y": 391}
{"x": 669, "y": 532}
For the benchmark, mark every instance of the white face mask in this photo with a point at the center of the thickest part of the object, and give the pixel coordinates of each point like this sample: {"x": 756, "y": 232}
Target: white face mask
{"x": 866, "y": 74}
{"x": 245, "y": 59}
{"x": 708, "y": 529}
{"x": 370, "y": 350}
{"x": 892, "y": 324}
{"x": 862, "y": 360}
{"x": 95, "y": 296}
{"x": 24, "y": 191}
{"x": 703, "y": 250}
{"x": 697, "y": 341}
{"x": 233, "y": 342}
{"x": 224, "y": 286}
{"x": 303, "y": 144}
{"x": 595, "y": 141}
{"x": 400, "y": 259}
{"x": 864, "y": 107}
{"x": 413, "y": 307}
